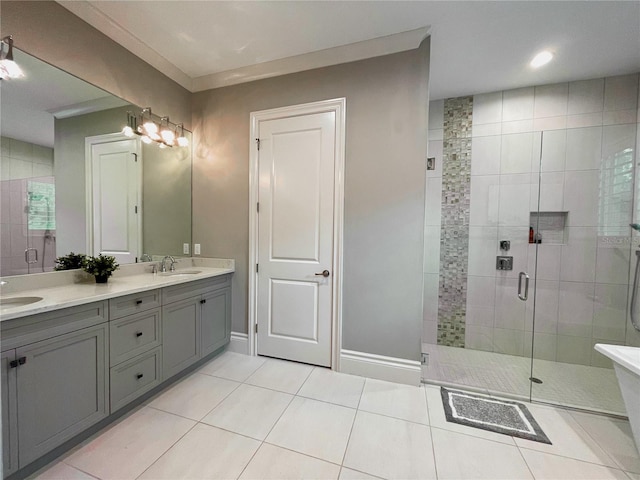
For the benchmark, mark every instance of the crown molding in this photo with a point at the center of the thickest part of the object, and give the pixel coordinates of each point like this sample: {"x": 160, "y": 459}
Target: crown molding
{"x": 352, "y": 52}
{"x": 322, "y": 58}
{"x": 126, "y": 39}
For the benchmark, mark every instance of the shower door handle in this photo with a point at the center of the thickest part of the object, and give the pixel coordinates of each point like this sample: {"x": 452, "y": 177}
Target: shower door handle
{"x": 526, "y": 286}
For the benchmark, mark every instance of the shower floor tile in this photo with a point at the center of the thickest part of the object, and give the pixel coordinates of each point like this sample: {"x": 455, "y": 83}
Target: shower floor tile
{"x": 580, "y": 386}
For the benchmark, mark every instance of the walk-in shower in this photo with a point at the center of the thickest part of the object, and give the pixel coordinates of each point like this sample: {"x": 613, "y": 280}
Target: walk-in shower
{"x": 535, "y": 185}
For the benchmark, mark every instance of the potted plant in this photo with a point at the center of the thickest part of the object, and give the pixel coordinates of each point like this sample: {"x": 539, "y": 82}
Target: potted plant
{"x": 101, "y": 267}
{"x": 71, "y": 261}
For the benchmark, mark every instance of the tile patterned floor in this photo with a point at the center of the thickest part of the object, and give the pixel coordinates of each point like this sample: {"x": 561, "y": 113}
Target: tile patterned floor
{"x": 256, "y": 418}
{"x": 579, "y": 386}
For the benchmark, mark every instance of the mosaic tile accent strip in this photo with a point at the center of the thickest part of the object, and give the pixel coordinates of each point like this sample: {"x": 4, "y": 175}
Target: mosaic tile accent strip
{"x": 454, "y": 234}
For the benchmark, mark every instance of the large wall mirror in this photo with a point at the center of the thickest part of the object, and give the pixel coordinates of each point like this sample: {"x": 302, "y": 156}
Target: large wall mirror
{"x": 71, "y": 182}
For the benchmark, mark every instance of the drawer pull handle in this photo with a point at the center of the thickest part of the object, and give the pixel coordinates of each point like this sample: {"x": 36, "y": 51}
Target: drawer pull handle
{"x": 22, "y": 360}
{"x": 138, "y": 302}
{"x": 138, "y": 334}
{"x": 139, "y": 376}
{"x": 203, "y": 300}
{"x": 13, "y": 363}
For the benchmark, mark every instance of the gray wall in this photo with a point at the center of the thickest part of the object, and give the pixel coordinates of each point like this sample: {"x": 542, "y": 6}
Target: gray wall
{"x": 166, "y": 199}
{"x": 50, "y": 32}
{"x": 69, "y": 171}
{"x": 384, "y": 188}
{"x": 166, "y": 186}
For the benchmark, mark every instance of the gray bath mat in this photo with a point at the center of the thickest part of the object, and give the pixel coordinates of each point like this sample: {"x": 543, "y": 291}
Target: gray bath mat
{"x": 495, "y": 415}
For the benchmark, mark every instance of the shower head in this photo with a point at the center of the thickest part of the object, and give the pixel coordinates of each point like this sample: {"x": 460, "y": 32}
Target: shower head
{"x": 635, "y": 226}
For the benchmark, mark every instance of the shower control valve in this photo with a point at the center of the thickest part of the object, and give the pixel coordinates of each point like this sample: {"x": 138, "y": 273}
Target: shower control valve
{"x": 504, "y": 263}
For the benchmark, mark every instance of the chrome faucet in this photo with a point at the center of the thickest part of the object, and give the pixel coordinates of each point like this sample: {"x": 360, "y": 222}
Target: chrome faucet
{"x": 164, "y": 264}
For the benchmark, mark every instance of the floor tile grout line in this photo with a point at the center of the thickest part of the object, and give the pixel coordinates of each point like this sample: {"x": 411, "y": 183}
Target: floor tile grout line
{"x": 231, "y": 431}
{"x": 163, "y": 453}
{"x": 74, "y": 467}
{"x": 595, "y": 440}
{"x": 305, "y": 454}
{"x": 263, "y": 441}
{"x": 616, "y": 467}
{"x": 353, "y": 422}
{"x": 305, "y": 380}
{"x": 513, "y": 444}
{"x": 220, "y": 402}
{"x": 395, "y": 418}
{"x": 524, "y": 459}
{"x": 433, "y": 443}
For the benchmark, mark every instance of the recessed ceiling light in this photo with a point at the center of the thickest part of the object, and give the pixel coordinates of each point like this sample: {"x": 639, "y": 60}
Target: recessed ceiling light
{"x": 541, "y": 59}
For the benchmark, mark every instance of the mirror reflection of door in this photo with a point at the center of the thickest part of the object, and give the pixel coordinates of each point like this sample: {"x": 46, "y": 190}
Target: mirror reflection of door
{"x": 115, "y": 216}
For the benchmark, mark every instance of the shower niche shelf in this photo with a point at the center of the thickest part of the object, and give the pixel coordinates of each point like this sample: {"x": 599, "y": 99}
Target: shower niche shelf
{"x": 549, "y": 227}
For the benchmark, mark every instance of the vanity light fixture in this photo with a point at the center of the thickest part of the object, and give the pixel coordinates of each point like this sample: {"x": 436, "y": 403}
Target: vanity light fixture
{"x": 182, "y": 140}
{"x": 541, "y": 59}
{"x": 163, "y": 132}
{"x": 8, "y": 67}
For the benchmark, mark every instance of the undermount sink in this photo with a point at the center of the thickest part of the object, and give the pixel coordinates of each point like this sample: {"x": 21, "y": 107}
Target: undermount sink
{"x": 180, "y": 273}
{"x": 13, "y": 302}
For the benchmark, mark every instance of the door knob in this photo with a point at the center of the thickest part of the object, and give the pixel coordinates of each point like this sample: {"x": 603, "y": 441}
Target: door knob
{"x": 324, "y": 273}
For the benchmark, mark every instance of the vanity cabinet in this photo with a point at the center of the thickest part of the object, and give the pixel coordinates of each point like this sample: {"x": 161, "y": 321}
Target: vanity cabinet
{"x": 215, "y": 320}
{"x": 66, "y": 370}
{"x": 9, "y": 413}
{"x": 181, "y": 326}
{"x": 54, "y": 380}
{"x": 196, "y": 321}
{"x": 135, "y": 346}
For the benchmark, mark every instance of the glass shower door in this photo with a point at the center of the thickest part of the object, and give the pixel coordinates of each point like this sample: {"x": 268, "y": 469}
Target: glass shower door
{"x": 582, "y": 271}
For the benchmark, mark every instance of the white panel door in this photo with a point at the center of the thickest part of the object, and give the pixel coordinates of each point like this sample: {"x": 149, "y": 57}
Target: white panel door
{"x": 116, "y": 179}
{"x": 295, "y": 237}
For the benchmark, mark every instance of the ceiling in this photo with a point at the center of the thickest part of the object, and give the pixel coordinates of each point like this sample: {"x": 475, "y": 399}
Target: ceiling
{"x": 476, "y": 46}
{"x": 30, "y": 104}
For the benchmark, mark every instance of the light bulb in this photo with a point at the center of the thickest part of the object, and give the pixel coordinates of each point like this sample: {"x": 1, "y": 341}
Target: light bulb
{"x": 168, "y": 136}
{"x": 150, "y": 127}
{"x": 146, "y": 139}
{"x": 154, "y": 136}
{"x": 183, "y": 141}
{"x": 128, "y": 131}
{"x": 10, "y": 69}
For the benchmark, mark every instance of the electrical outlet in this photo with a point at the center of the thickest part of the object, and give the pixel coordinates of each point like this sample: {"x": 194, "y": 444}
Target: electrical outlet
{"x": 185, "y": 248}
{"x": 196, "y": 249}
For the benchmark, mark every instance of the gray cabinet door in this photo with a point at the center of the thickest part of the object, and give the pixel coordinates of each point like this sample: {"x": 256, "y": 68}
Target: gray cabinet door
{"x": 61, "y": 385}
{"x": 180, "y": 335}
{"x": 9, "y": 414}
{"x": 216, "y": 320}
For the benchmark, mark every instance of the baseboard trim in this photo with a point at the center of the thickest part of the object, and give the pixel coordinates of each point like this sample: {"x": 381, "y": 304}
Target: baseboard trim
{"x": 239, "y": 343}
{"x": 370, "y": 365}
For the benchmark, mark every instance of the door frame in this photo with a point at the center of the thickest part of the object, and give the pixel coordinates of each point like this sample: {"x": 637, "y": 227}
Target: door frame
{"x": 89, "y": 142}
{"x": 338, "y": 106}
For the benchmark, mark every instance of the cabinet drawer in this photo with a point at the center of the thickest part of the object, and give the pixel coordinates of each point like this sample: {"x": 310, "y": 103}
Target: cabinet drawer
{"x": 134, "y": 377}
{"x": 130, "y": 304}
{"x": 133, "y": 335}
{"x": 195, "y": 288}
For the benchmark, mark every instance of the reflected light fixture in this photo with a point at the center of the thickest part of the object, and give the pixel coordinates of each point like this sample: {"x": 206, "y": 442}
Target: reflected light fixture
{"x": 8, "y": 67}
{"x": 163, "y": 132}
{"x": 541, "y": 59}
{"x": 182, "y": 140}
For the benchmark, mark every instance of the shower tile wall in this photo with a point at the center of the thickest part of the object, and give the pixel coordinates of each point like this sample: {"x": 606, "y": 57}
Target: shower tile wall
{"x": 454, "y": 233}
{"x": 582, "y": 285}
{"x": 21, "y": 162}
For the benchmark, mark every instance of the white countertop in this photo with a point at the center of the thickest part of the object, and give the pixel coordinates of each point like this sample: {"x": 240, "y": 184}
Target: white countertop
{"x": 129, "y": 279}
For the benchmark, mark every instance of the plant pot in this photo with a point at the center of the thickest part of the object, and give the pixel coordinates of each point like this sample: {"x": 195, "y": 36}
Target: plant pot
{"x": 102, "y": 278}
